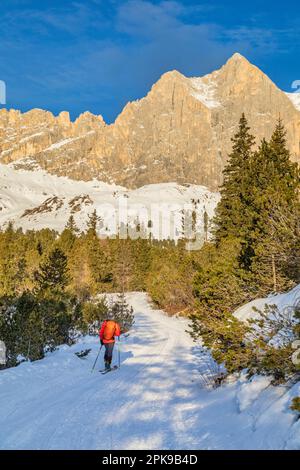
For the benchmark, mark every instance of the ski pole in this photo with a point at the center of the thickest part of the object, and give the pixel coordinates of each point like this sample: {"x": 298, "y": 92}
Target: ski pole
{"x": 96, "y": 358}
{"x": 119, "y": 354}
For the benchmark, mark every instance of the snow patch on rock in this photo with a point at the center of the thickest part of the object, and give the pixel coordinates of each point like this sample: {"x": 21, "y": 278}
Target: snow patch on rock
{"x": 204, "y": 89}
{"x": 295, "y": 99}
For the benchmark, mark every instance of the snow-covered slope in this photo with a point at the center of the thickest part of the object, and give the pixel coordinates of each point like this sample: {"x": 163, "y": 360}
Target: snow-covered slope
{"x": 155, "y": 401}
{"x": 36, "y": 199}
{"x": 204, "y": 89}
{"x": 282, "y": 301}
{"x": 295, "y": 99}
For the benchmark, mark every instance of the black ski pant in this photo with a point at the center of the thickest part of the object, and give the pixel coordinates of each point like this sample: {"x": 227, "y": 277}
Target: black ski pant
{"x": 109, "y": 347}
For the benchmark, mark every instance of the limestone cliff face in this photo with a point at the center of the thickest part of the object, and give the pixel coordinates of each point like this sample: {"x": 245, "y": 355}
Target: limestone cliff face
{"x": 181, "y": 131}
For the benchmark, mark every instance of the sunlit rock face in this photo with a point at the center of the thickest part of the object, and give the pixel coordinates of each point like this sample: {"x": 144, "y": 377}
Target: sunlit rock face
{"x": 181, "y": 131}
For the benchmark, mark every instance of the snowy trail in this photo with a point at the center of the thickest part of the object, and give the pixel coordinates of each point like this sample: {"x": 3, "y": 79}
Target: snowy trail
{"x": 154, "y": 401}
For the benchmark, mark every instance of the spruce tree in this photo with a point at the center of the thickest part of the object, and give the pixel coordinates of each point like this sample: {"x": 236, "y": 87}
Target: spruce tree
{"x": 94, "y": 221}
{"x": 123, "y": 264}
{"x": 273, "y": 237}
{"x": 68, "y": 236}
{"x": 98, "y": 264}
{"x": 53, "y": 274}
{"x": 232, "y": 211}
{"x": 257, "y": 249}
{"x": 122, "y": 313}
{"x": 141, "y": 260}
{"x": 71, "y": 225}
{"x": 80, "y": 271}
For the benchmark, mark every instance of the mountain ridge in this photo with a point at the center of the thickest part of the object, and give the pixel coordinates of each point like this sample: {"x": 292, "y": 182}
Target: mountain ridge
{"x": 180, "y": 131}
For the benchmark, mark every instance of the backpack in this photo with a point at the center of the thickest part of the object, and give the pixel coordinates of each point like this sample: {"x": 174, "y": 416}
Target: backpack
{"x": 109, "y": 330}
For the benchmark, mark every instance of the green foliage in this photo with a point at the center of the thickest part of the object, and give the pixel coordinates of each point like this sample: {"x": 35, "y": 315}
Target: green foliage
{"x": 49, "y": 281}
{"x": 141, "y": 258}
{"x": 94, "y": 222}
{"x": 273, "y": 361}
{"x": 52, "y": 276}
{"x": 33, "y": 322}
{"x": 219, "y": 287}
{"x": 271, "y": 336}
{"x": 68, "y": 236}
{"x": 255, "y": 251}
{"x": 232, "y": 218}
{"x": 168, "y": 280}
{"x": 120, "y": 312}
{"x": 260, "y": 207}
{"x": 295, "y": 406}
{"x": 94, "y": 313}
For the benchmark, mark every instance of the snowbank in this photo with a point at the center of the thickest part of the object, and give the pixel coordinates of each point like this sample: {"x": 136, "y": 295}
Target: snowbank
{"x": 156, "y": 400}
{"x": 282, "y": 301}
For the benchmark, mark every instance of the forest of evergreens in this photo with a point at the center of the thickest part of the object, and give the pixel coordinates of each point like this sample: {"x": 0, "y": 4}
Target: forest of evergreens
{"x": 49, "y": 282}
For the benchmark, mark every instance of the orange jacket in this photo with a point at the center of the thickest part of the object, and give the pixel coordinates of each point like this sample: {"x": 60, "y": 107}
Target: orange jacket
{"x": 113, "y": 328}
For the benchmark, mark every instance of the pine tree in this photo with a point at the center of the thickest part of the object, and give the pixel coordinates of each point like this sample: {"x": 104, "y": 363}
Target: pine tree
{"x": 257, "y": 249}
{"x": 122, "y": 313}
{"x": 53, "y": 274}
{"x": 57, "y": 310}
{"x": 68, "y": 236}
{"x": 123, "y": 264}
{"x": 71, "y": 225}
{"x": 142, "y": 255}
{"x": 80, "y": 271}
{"x": 205, "y": 225}
{"x": 232, "y": 211}
{"x": 166, "y": 281}
{"x": 273, "y": 237}
{"x": 94, "y": 221}
{"x": 98, "y": 263}
{"x": 12, "y": 262}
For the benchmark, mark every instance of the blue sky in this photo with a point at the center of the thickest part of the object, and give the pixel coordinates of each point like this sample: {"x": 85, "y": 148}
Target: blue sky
{"x": 97, "y": 55}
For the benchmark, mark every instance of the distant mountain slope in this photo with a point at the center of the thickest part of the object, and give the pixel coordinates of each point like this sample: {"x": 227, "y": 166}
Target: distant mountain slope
{"x": 181, "y": 131}
{"x": 36, "y": 199}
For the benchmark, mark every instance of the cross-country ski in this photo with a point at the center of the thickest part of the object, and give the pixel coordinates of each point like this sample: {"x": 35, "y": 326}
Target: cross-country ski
{"x": 111, "y": 369}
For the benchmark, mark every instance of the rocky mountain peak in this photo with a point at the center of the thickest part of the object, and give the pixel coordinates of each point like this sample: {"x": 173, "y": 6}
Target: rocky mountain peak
{"x": 180, "y": 131}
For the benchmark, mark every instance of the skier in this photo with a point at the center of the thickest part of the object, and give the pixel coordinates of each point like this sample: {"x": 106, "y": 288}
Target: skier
{"x": 108, "y": 331}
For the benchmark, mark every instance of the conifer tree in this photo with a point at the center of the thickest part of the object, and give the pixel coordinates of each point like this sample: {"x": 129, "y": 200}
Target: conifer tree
{"x": 122, "y": 313}
{"x": 53, "y": 274}
{"x": 205, "y": 225}
{"x": 68, "y": 236}
{"x": 273, "y": 237}
{"x": 71, "y": 225}
{"x": 94, "y": 221}
{"x": 12, "y": 262}
{"x": 257, "y": 249}
{"x": 97, "y": 261}
{"x": 80, "y": 271}
{"x": 232, "y": 211}
{"x": 142, "y": 255}
{"x": 122, "y": 263}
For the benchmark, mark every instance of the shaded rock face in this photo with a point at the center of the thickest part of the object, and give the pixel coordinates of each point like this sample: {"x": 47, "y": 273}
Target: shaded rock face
{"x": 181, "y": 131}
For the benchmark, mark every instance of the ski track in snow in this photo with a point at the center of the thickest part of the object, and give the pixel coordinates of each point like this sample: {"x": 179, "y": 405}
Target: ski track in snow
{"x": 155, "y": 401}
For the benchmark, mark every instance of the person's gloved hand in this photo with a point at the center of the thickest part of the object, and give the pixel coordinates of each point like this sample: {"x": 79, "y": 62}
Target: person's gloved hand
{"x": 101, "y": 342}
